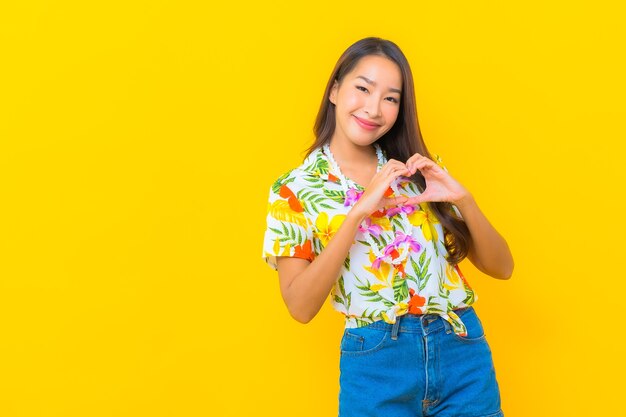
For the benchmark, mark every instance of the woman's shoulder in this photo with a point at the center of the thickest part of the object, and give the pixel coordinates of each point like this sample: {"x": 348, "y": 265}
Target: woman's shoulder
{"x": 307, "y": 174}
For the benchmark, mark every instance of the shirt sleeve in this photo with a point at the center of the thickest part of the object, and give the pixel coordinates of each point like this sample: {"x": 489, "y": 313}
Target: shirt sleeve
{"x": 439, "y": 161}
{"x": 288, "y": 231}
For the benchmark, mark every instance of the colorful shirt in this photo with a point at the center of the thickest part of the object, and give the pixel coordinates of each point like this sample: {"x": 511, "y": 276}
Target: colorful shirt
{"x": 306, "y": 208}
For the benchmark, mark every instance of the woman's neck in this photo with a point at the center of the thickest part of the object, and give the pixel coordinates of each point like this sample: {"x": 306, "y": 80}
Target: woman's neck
{"x": 349, "y": 155}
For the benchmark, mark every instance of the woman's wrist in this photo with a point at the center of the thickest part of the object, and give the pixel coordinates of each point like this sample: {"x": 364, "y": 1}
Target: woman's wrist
{"x": 356, "y": 215}
{"x": 464, "y": 201}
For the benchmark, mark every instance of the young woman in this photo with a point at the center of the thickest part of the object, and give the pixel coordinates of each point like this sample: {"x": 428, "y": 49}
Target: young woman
{"x": 376, "y": 221}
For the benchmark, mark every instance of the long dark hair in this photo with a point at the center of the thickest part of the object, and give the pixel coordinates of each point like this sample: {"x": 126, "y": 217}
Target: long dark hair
{"x": 401, "y": 141}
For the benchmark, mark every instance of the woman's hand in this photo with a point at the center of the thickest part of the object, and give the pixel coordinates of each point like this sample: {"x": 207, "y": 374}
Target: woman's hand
{"x": 440, "y": 186}
{"x": 373, "y": 198}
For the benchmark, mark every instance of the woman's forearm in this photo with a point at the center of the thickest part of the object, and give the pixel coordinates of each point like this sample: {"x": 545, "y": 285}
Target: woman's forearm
{"x": 310, "y": 288}
{"x": 489, "y": 252}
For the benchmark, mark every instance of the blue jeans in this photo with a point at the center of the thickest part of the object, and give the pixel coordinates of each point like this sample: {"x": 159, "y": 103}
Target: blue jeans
{"x": 418, "y": 367}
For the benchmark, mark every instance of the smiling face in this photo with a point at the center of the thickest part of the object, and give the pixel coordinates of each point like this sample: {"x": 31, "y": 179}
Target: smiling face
{"x": 367, "y": 101}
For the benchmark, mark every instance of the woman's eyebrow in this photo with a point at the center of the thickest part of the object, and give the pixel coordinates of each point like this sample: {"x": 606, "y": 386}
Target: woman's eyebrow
{"x": 367, "y": 80}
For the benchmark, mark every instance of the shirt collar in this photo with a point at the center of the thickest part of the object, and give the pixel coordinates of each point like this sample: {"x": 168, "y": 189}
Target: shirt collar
{"x": 317, "y": 165}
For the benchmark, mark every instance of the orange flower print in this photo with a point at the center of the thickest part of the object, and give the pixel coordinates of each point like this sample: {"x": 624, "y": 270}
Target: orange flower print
{"x": 379, "y": 213}
{"x": 285, "y": 192}
{"x": 400, "y": 269}
{"x": 415, "y": 302}
{"x": 332, "y": 178}
{"x": 304, "y": 251}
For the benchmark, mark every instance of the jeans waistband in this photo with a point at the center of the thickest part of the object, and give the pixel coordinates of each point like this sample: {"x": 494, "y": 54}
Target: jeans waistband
{"x": 418, "y": 322}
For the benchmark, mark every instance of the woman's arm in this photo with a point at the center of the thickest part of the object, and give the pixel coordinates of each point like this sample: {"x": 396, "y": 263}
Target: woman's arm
{"x": 488, "y": 250}
{"x": 305, "y": 285}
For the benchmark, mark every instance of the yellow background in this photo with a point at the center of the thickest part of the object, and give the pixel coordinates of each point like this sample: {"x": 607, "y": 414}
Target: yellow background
{"x": 138, "y": 143}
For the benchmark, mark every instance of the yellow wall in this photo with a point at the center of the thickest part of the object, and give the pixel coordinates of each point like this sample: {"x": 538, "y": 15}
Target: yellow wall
{"x": 138, "y": 141}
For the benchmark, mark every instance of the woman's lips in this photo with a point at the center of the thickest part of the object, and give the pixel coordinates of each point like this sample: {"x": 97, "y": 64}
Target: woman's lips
{"x": 366, "y": 125}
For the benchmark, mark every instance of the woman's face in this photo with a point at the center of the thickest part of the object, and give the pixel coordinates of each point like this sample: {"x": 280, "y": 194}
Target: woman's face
{"x": 367, "y": 101}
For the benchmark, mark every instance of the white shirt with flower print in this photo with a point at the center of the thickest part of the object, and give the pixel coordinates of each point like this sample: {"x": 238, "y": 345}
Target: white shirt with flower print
{"x": 306, "y": 208}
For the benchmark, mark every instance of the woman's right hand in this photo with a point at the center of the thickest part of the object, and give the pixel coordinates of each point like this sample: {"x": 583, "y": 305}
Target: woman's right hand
{"x": 373, "y": 198}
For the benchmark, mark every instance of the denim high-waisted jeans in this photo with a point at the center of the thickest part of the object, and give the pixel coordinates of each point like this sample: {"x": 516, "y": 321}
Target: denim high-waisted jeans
{"x": 418, "y": 367}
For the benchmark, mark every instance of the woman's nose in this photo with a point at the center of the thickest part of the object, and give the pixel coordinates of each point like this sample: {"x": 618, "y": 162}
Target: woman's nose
{"x": 372, "y": 107}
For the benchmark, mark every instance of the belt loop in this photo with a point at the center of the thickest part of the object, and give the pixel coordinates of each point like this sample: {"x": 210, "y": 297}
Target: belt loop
{"x": 394, "y": 329}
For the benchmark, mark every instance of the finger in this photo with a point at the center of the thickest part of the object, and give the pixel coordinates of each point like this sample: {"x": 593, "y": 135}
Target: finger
{"x": 423, "y": 165}
{"x": 395, "y": 201}
{"x": 409, "y": 163}
{"x": 392, "y": 164}
{"x": 414, "y": 201}
{"x": 397, "y": 173}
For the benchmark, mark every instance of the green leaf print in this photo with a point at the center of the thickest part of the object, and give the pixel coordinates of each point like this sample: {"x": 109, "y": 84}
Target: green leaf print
{"x": 380, "y": 241}
{"x": 361, "y": 322}
{"x": 375, "y": 240}
{"x": 313, "y": 181}
{"x": 434, "y": 308}
{"x": 342, "y": 289}
{"x": 388, "y": 303}
{"x": 396, "y": 221}
{"x": 412, "y": 278}
{"x": 412, "y": 187}
{"x": 317, "y": 245}
{"x": 372, "y": 295}
{"x": 310, "y": 200}
{"x": 443, "y": 292}
{"x": 282, "y": 180}
{"x": 421, "y": 269}
{"x": 288, "y": 235}
{"x": 320, "y": 165}
{"x": 336, "y": 196}
{"x": 371, "y": 314}
{"x": 470, "y": 297}
{"x": 400, "y": 289}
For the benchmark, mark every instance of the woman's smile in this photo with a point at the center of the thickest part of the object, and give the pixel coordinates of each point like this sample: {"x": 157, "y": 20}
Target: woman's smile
{"x": 365, "y": 124}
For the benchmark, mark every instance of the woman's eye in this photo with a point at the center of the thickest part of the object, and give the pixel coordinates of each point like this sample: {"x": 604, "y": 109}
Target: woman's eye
{"x": 393, "y": 99}
{"x": 361, "y": 88}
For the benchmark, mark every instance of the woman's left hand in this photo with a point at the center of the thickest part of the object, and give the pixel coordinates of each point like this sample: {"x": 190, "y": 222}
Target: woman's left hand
{"x": 440, "y": 186}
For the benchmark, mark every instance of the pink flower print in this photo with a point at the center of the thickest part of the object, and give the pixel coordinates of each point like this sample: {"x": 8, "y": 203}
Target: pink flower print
{"x": 376, "y": 263}
{"x": 352, "y": 196}
{"x": 390, "y": 250}
{"x": 397, "y": 210}
{"x": 373, "y": 229}
{"x": 402, "y": 238}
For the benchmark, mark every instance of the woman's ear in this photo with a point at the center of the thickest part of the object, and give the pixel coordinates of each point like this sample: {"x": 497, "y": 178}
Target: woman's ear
{"x": 333, "y": 93}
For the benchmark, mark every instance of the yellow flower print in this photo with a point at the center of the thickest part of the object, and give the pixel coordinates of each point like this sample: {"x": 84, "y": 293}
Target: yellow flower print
{"x": 382, "y": 273}
{"x": 276, "y": 247}
{"x": 453, "y": 278}
{"x": 325, "y": 229}
{"x": 396, "y": 311}
{"x": 426, "y": 220}
{"x": 281, "y": 210}
{"x": 381, "y": 220}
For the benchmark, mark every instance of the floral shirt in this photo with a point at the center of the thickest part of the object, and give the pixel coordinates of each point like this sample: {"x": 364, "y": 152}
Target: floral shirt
{"x": 306, "y": 208}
